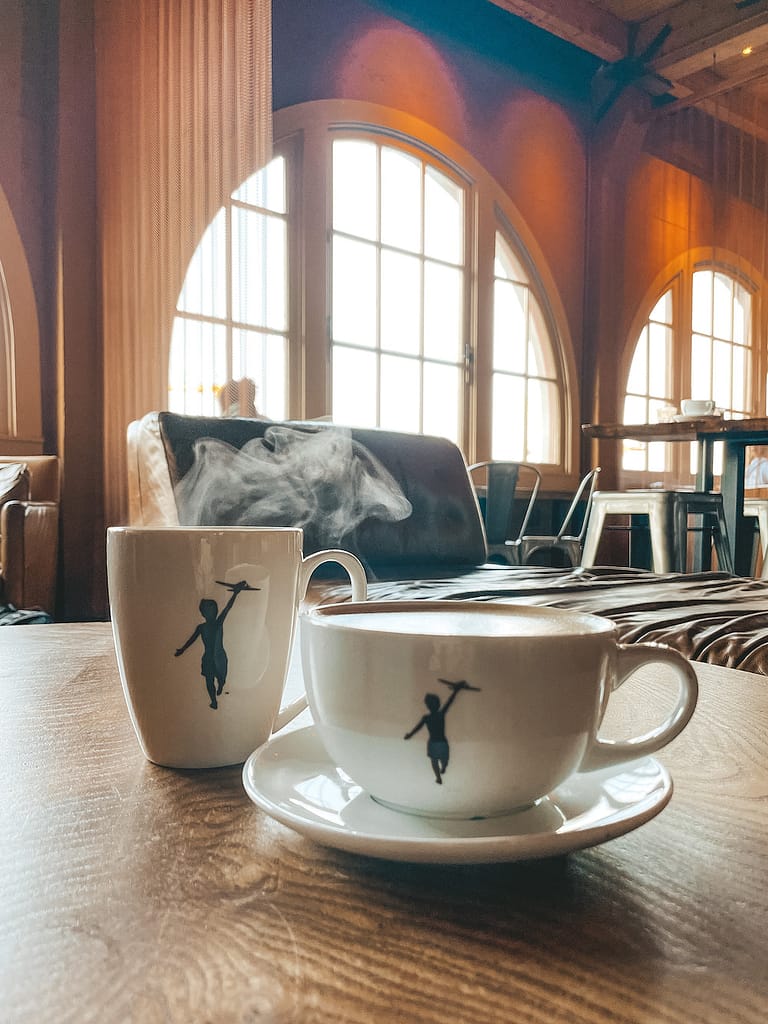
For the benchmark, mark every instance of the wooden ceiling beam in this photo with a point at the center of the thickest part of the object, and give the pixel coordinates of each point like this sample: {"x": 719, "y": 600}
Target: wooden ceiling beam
{"x": 576, "y": 21}
{"x": 692, "y": 95}
{"x": 699, "y": 34}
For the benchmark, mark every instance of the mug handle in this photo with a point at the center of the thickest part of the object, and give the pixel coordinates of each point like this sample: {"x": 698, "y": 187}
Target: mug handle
{"x": 359, "y": 582}
{"x": 631, "y": 657}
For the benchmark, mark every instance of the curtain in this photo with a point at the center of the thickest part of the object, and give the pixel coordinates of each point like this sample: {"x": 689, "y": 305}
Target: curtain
{"x": 184, "y": 115}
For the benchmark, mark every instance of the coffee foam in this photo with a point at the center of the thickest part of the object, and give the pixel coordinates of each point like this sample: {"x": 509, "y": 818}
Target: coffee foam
{"x": 460, "y": 619}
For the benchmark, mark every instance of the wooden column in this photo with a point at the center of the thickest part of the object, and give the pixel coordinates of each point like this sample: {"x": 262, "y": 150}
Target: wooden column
{"x": 612, "y": 153}
{"x": 78, "y": 349}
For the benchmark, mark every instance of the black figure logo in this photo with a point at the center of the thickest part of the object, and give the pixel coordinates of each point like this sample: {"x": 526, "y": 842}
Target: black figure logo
{"x": 437, "y": 744}
{"x": 211, "y": 631}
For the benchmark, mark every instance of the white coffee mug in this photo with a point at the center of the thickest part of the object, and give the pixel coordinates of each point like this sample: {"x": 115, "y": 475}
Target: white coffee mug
{"x": 465, "y": 709}
{"x": 203, "y": 622}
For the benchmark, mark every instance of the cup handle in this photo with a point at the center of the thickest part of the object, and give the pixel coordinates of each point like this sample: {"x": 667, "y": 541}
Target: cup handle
{"x": 359, "y": 582}
{"x": 631, "y": 657}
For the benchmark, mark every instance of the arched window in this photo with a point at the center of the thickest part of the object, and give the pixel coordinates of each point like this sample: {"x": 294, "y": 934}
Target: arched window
{"x": 372, "y": 274}
{"x": 697, "y": 342}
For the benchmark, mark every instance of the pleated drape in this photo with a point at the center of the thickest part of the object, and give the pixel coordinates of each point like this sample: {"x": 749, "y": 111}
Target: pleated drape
{"x": 184, "y": 115}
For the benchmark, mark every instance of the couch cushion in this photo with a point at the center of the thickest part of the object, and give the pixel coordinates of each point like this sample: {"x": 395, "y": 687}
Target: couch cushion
{"x": 43, "y": 475}
{"x": 393, "y": 499}
{"x": 14, "y": 482}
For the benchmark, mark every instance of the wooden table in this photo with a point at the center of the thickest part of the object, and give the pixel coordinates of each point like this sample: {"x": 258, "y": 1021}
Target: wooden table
{"x": 736, "y": 435}
{"x": 132, "y": 893}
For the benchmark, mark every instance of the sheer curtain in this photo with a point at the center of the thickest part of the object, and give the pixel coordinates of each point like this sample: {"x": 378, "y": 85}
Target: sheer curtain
{"x": 184, "y": 114}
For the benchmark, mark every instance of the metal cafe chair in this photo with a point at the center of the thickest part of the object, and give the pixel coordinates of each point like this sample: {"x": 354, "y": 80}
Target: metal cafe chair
{"x": 668, "y": 512}
{"x": 498, "y": 505}
{"x": 758, "y": 507}
{"x": 572, "y": 544}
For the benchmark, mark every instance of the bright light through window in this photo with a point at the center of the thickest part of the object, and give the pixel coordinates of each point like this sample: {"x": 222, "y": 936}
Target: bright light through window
{"x": 232, "y": 314}
{"x": 377, "y": 279}
{"x": 399, "y": 283}
{"x": 525, "y": 396}
{"x": 649, "y": 386}
{"x": 718, "y": 328}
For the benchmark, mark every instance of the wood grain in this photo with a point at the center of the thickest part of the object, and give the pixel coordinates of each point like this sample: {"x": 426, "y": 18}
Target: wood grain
{"x": 136, "y": 893}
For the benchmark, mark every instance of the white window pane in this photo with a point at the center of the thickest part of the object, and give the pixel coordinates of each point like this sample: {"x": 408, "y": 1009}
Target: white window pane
{"x": 509, "y": 322}
{"x": 702, "y": 302}
{"x": 508, "y": 419}
{"x": 400, "y": 394}
{"x": 400, "y": 199}
{"x": 265, "y": 188}
{"x": 259, "y": 268}
{"x": 638, "y": 371}
{"x": 657, "y": 457}
{"x": 742, "y": 312}
{"x": 659, "y": 344}
{"x": 633, "y": 455}
{"x": 197, "y": 366}
{"x": 721, "y": 391}
{"x": 354, "y": 292}
{"x": 723, "y": 307}
{"x": 248, "y": 360}
{"x": 204, "y": 291}
{"x": 717, "y": 457}
{"x": 543, "y": 418}
{"x": 442, "y": 400}
{"x": 264, "y": 359}
{"x": 506, "y": 264}
{"x": 443, "y": 311}
{"x": 354, "y": 387}
{"x": 355, "y": 187}
{"x": 740, "y": 378}
{"x": 662, "y": 311}
{"x": 701, "y": 367}
{"x": 540, "y": 361}
{"x": 635, "y": 409}
{"x": 400, "y": 302}
{"x": 443, "y": 217}
{"x": 275, "y": 379}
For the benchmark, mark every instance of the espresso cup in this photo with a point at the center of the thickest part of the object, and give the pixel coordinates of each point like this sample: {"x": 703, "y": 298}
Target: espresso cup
{"x": 203, "y": 622}
{"x": 464, "y": 709}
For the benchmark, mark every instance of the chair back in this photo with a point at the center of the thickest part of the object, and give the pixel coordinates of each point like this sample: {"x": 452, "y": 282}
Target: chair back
{"x": 502, "y": 480}
{"x": 588, "y": 485}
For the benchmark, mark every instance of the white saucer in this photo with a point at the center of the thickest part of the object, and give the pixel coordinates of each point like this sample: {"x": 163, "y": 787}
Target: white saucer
{"x": 292, "y": 778}
{"x": 682, "y": 418}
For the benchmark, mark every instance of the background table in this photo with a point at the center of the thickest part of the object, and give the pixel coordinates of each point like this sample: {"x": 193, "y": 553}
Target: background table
{"x": 133, "y": 893}
{"x": 736, "y": 435}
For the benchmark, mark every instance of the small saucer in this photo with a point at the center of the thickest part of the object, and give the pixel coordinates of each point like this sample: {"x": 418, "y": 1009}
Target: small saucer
{"x": 682, "y": 418}
{"x": 293, "y": 779}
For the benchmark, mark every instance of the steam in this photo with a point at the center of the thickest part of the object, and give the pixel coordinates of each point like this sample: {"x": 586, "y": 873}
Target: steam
{"x": 324, "y": 482}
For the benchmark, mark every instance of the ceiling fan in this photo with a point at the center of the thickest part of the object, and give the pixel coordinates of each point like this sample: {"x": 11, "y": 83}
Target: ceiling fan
{"x": 610, "y": 80}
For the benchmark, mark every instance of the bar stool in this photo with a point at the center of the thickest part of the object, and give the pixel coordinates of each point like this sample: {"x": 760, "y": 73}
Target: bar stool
{"x": 758, "y": 507}
{"x": 667, "y": 513}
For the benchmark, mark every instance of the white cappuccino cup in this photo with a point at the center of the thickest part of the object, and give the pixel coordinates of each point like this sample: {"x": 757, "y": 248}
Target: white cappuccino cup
{"x": 463, "y": 709}
{"x": 203, "y": 622}
{"x": 697, "y": 406}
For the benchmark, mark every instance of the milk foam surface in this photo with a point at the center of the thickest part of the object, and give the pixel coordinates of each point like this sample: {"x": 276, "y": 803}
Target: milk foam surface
{"x": 463, "y": 620}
